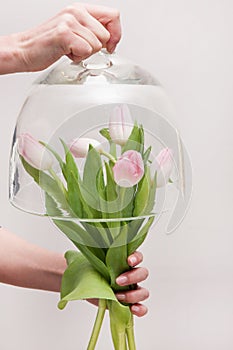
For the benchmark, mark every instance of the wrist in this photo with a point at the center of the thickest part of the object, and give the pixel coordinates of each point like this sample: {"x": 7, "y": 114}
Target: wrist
{"x": 49, "y": 271}
{"x": 10, "y": 55}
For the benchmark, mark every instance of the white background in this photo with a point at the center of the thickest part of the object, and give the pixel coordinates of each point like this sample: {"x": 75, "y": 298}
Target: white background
{"x": 187, "y": 45}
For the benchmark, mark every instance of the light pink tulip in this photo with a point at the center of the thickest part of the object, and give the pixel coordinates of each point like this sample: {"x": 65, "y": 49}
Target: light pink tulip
{"x": 120, "y": 124}
{"x": 164, "y": 165}
{"x": 34, "y": 152}
{"x": 79, "y": 147}
{"x": 129, "y": 169}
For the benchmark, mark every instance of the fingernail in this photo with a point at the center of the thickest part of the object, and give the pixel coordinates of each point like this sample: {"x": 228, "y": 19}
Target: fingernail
{"x": 111, "y": 48}
{"x": 132, "y": 260}
{"x": 135, "y": 308}
{"x": 120, "y": 296}
{"x": 121, "y": 280}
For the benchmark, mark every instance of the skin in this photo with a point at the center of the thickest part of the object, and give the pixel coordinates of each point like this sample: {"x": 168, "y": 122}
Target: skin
{"x": 26, "y": 265}
{"x": 78, "y": 31}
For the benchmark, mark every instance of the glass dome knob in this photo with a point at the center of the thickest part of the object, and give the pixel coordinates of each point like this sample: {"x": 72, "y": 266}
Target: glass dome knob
{"x": 98, "y": 61}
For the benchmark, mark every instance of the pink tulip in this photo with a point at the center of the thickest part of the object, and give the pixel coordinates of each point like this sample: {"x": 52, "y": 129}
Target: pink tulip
{"x": 34, "y": 152}
{"x": 129, "y": 169}
{"x": 119, "y": 128}
{"x": 79, "y": 147}
{"x": 164, "y": 165}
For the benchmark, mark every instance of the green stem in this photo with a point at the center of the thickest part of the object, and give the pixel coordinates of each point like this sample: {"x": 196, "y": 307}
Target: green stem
{"x": 122, "y": 197}
{"x": 53, "y": 174}
{"x": 108, "y": 155}
{"x": 120, "y": 320}
{"x": 97, "y": 325}
{"x": 121, "y": 344}
{"x": 130, "y": 335}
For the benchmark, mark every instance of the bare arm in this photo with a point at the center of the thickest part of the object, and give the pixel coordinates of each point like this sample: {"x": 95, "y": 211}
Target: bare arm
{"x": 26, "y": 265}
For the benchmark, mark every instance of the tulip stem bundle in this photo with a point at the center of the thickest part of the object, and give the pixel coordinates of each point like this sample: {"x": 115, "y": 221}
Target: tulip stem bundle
{"x": 98, "y": 323}
{"x": 125, "y": 339}
{"x": 130, "y": 336}
{"x": 106, "y": 213}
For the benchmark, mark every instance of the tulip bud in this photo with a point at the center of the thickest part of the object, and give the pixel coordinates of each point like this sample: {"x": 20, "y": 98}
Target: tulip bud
{"x": 34, "y": 152}
{"x": 79, "y": 147}
{"x": 129, "y": 169}
{"x": 118, "y": 129}
{"x": 164, "y": 165}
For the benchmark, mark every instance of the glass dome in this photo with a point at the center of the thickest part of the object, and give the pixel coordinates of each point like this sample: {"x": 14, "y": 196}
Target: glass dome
{"x": 77, "y": 101}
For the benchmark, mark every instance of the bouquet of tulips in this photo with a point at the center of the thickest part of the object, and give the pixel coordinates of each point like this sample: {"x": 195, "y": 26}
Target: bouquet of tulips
{"x": 106, "y": 210}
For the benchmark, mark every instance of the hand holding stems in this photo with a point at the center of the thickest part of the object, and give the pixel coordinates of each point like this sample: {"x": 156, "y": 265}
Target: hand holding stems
{"x": 77, "y": 31}
{"x": 134, "y": 276}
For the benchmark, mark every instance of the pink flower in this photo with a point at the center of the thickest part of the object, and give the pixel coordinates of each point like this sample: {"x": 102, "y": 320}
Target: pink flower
{"x": 34, "y": 152}
{"x": 79, "y": 147}
{"x": 164, "y": 165}
{"x": 129, "y": 169}
{"x": 119, "y": 128}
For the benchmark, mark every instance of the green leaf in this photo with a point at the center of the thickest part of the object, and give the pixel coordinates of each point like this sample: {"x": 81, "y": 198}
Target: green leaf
{"x": 113, "y": 152}
{"x": 70, "y": 165}
{"x": 97, "y": 230}
{"x": 140, "y": 237}
{"x": 142, "y": 194}
{"x": 75, "y": 232}
{"x": 146, "y": 155}
{"x": 92, "y": 166}
{"x": 51, "y": 207}
{"x": 141, "y": 132}
{"x": 49, "y": 185}
{"x": 89, "y": 187}
{"x": 90, "y": 202}
{"x": 79, "y": 196}
{"x": 56, "y": 155}
{"x": 133, "y": 228}
{"x": 71, "y": 255}
{"x": 74, "y": 194}
{"x": 151, "y": 200}
{"x": 92, "y": 253}
{"x": 78, "y": 235}
{"x": 135, "y": 140}
{"x": 116, "y": 257}
{"x": 112, "y": 196}
{"x": 102, "y": 192}
{"x": 82, "y": 281}
{"x": 120, "y": 321}
{"x": 127, "y": 195}
{"x": 105, "y": 133}
{"x": 89, "y": 237}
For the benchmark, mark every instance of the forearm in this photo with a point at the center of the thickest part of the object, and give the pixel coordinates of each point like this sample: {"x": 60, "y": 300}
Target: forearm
{"x": 26, "y": 265}
{"x": 10, "y": 60}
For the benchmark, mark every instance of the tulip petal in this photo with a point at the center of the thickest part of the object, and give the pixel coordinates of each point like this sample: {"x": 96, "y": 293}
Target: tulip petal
{"x": 129, "y": 169}
{"x": 79, "y": 147}
{"x": 164, "y": 165}
{"x": 34, "y": 152}
{"x": 120, "y": 124}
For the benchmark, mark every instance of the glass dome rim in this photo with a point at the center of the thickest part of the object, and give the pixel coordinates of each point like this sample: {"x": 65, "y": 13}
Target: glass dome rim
{"x": 88, "y": 220}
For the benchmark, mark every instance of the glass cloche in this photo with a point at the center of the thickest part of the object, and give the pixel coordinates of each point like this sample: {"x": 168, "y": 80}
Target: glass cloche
{"x": 72, "y": 102}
